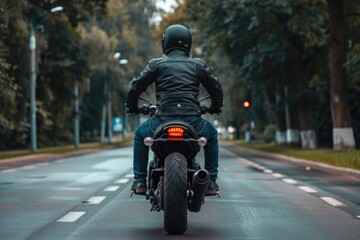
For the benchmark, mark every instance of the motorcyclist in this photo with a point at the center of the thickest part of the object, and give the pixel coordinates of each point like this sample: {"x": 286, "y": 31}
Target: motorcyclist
{"x": 177, "y": 77}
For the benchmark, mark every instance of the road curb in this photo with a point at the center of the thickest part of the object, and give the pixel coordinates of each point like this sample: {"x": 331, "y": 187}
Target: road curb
{"x": 348, "y": 172}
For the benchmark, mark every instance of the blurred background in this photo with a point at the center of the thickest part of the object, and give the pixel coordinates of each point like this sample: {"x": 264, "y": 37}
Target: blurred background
{"x": 290, "y": 69}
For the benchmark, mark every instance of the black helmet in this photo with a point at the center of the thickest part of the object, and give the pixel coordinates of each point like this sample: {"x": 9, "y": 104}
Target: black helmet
{"x": 176, "y": 37}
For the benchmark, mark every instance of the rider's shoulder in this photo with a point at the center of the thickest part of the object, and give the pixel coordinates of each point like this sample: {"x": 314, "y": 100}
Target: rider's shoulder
{"x": 199, "y": 61}
{"x": 155, "y": 61}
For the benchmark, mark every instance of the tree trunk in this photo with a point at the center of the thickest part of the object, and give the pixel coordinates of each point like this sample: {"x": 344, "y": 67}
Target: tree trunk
{"x": 292, "y": 125}
{"x": 343, "y": 135}
{"x": 278, "y": 115}
{"x": 304, "y": 102}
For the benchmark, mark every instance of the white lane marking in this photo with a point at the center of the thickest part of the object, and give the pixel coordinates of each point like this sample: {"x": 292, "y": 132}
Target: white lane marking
{"x": 111, "y": 188}
{"x": 95, "y": 200}
{"x": 268, "y": 171}
{"x": 307, "y": 189}
{"x": 332, "y": 201}
{"x": 122, "y": 180}
{"x": 71, "y": 217}
{"x": 261, "y": 168}
{"x": 358, "y": 216}
{"x": 10, "y": 170}
{"x": 130, "y": 175}
{"x": 28, "y": 167}
{"x": 278, "y": 175}
{"x": 289, "y": 180}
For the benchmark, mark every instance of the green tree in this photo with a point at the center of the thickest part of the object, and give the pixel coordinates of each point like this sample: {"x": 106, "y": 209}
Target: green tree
{"x": 125, "y": 30}
{"x": 13, "y": 29}
{"x": 57, "y": 56}
{"x": 265, "y": 39}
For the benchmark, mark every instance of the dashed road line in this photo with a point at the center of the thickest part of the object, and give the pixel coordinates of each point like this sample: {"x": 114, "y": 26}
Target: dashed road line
{"x": 130, "y": 175}
{"x": 122, "y": 180}
{"x": 11, "y": 170}
{"x": 111, "y": 188}
{"x": 307, "y": 189}
{"x": 71, "y": 217}
{"x": 332, "y": 201}
{"x": 261, "y": 168}
{"x": 289, "y": 180}
{"x": 278, "y": 175}
{"x": 95, "y": 200}
{"x": 28, "y": 167}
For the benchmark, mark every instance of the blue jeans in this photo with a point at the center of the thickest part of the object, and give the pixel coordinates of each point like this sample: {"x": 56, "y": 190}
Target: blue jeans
{"x": 204, "y": 129}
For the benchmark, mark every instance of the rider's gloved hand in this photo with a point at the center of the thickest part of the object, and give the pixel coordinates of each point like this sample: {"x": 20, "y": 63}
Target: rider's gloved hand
{"x": 214, "y": 110}
{"x": 145, "y": 110}
{"x": 132, "y": 109}
{"x": 204, "y": 109}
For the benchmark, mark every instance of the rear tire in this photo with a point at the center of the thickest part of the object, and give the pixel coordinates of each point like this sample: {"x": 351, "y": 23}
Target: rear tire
{"x": 175, "y": 194}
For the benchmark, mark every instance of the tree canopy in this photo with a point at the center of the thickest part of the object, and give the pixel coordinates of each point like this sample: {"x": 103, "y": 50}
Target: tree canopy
{"x": 76, "y": 45}
{"x": 280, "y": 51}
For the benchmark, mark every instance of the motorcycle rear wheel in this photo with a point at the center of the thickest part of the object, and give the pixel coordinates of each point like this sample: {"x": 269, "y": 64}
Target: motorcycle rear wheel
{"x": 175, "y": 194}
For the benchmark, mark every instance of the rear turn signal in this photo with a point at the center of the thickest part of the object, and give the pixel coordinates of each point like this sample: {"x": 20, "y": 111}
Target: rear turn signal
{"x": 148, "y": 141}
{"x": 175, "y": 132}
{"x": 202, "y": 141}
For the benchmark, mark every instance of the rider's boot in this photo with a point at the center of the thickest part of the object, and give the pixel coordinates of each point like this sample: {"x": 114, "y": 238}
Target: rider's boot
{"x": 139, "y": 186}
{"x": 213, "y": 189}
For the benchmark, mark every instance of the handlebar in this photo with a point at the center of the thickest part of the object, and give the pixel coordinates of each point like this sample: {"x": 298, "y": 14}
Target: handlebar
{"x": 147, "y": 109}
{"x": 150, "y": 108}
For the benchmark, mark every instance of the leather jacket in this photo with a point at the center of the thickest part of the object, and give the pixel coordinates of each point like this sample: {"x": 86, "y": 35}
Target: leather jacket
{"x": 177, "y": 77}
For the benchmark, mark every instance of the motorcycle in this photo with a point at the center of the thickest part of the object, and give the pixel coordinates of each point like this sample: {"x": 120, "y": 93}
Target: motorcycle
{"x": 176, "y": 182}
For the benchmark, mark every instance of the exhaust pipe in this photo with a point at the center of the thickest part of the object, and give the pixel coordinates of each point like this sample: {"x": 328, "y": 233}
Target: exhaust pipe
{"x": 199, "y": 186}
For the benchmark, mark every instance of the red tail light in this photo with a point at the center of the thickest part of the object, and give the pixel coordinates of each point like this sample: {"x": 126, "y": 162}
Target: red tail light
{"x": 175, "y": 132}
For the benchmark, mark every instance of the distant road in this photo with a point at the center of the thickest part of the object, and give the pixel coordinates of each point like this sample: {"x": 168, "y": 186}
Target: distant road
{"x": 88, "y": 197}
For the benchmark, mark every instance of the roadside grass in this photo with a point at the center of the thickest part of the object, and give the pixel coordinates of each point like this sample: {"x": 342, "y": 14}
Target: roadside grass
{"x": 60, "y": 149}
{"x": 339, "y": 158}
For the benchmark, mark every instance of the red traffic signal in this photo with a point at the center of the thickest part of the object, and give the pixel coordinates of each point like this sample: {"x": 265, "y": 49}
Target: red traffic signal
{"x": 246, "y": 104}
{"x": 247, "y": 98}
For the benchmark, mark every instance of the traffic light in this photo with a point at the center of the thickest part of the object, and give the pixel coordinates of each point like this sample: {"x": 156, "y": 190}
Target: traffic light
{"x": 246, "y": 104}
{"x": 247, "y": 99}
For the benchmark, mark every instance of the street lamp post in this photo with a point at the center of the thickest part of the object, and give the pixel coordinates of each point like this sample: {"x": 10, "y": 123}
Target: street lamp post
{"x": 76, "y": 116}
{"x": 32, "y": 46}
{"x": 109, "y": 115}
{"x": 123, "y": 62}
{"x": 103, "y": 117}
{"x": 107, "y": 106}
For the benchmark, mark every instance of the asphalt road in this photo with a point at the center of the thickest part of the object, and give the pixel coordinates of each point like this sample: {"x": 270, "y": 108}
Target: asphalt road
{"x": 88, "y": 197}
